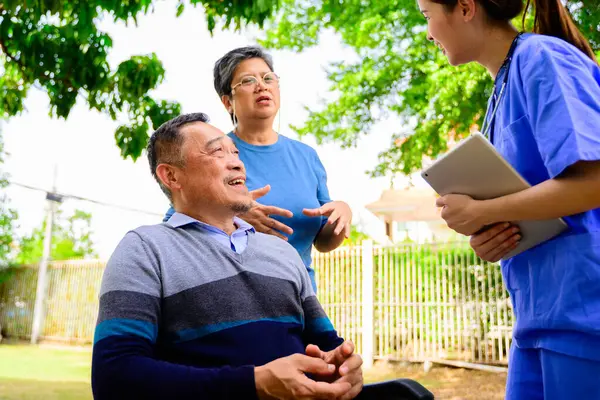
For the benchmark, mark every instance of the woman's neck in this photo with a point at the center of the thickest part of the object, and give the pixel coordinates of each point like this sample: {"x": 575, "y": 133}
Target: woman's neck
{"x": 496, "y": 47}
{"x": 259, "y": 132}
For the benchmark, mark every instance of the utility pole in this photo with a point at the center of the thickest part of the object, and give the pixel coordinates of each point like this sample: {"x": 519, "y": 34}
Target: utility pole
{"x": 53, "y": 200}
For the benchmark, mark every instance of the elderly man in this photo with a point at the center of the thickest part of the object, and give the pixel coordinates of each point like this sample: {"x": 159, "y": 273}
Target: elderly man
{"x": 205, "y": 307}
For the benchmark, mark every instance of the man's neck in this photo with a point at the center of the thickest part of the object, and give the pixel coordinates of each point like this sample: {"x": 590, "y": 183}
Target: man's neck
{"x": 212, "y": 218}
{"x": 497, "y": 45}
{"x": 257, "y": 132}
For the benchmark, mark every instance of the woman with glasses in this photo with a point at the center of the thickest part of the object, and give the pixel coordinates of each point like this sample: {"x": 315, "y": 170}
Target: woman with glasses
{"x": 544, "y": 118}
{"x": 286, "y": 175}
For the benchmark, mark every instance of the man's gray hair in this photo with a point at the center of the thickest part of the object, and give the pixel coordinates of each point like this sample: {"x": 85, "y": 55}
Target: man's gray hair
{"x": 164, "y": 146}
{"x": 226, "y": 65}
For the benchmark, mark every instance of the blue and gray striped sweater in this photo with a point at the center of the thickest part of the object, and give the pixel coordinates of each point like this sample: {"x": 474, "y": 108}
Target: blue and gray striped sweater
{"x": 182, "y": 316}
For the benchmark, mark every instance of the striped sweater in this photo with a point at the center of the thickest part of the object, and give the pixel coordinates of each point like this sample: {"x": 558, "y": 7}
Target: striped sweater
{"x": 182, "y": 316}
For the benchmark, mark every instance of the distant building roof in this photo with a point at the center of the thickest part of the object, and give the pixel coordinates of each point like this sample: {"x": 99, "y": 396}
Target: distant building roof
{"x": 409, "y": 204}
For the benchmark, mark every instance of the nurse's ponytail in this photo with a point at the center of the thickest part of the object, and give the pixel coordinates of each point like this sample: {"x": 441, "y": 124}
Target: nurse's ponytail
{"x": 553, "y": 19}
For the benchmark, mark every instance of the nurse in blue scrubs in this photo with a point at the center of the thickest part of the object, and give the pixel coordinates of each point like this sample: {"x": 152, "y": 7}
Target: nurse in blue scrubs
{"x": 544, "y": 118}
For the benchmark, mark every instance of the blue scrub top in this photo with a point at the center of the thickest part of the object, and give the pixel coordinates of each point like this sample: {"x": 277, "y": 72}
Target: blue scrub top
{"x": 548, "y": 120}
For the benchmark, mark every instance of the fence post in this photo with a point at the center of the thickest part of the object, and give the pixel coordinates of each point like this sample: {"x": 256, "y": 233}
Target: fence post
{"x": 368, "y": 331}
{"x": 39, "y": 309}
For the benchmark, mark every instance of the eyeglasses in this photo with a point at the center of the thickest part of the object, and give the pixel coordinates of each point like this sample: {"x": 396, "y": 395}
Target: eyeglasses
{"x": 270, "y": 79}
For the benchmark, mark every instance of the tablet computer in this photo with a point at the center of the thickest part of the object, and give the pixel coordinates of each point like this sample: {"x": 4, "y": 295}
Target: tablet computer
{"x": 476, "y": 169}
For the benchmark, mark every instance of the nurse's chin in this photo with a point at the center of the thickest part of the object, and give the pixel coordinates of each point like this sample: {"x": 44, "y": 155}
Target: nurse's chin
{"x": 456, "y": 61}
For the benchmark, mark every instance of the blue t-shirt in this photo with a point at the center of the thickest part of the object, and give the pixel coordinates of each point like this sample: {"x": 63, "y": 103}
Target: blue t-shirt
{"x": 548, "y": 120}
{"x": 298, "y": 180}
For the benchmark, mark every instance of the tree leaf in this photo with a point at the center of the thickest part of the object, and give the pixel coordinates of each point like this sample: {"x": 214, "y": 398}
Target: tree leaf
{"x": 397, "y": 75}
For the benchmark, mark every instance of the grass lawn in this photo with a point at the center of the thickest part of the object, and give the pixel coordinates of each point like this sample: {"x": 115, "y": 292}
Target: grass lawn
{"x": 40, "y": 372}
{"x": 63, "y": 373}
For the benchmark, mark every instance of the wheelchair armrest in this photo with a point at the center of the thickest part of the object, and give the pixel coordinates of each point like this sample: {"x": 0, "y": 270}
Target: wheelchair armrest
{"x": 399, "y": 389}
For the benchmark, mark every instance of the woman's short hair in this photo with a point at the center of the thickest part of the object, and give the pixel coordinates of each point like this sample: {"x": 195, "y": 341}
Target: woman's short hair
{"x": 226, "y": 65}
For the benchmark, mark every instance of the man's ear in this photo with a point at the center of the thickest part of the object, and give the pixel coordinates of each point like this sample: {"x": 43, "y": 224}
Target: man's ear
{"x": 170, "y": 176}
{"x": 467, "y": 9}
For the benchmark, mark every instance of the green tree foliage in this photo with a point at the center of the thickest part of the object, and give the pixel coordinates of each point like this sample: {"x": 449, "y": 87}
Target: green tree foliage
{"x": 356, "y": 236}
{"x": 398, "y": 74}
{"x": 71, "y": 239}
{"x": 55, "y": 45}
{"x": 7, "y": 218}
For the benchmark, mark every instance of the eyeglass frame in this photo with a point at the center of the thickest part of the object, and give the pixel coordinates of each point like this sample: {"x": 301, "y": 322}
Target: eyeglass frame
{"x": 262, "y": 78}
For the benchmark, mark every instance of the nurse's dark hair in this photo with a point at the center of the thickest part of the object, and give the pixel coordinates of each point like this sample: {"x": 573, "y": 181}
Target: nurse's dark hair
{"x": 551, "y": 18}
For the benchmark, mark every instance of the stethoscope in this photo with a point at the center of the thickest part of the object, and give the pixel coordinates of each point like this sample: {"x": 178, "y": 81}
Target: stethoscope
{"x": 496, "y": 99}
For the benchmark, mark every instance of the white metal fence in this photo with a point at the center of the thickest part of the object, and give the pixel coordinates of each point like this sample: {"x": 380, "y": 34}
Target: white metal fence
{"x": 405, "y": 302}
{"x": 417, "y": 302}
{"x": 71, "y": 304}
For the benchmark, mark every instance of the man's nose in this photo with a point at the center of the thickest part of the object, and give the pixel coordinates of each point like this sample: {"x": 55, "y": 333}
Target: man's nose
{"x": 235, "y": 163}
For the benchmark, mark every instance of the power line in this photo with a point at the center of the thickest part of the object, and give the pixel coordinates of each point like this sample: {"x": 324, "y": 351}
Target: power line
{"x": 75, "y": 197}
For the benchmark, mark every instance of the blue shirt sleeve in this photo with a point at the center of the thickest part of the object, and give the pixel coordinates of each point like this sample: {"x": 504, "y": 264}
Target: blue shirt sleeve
{"x": 322, "y": 189}
{"x": 562, "y": 91}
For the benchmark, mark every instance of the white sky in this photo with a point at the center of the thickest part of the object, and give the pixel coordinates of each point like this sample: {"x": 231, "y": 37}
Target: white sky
{"x": 87, "y": 158}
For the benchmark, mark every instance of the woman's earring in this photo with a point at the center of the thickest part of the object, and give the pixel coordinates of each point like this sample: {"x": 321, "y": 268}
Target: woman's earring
{"x": 234, "y": 117}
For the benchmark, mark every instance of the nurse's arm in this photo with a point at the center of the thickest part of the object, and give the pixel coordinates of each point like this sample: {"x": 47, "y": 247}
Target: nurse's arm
{"x": 574, "y": 191}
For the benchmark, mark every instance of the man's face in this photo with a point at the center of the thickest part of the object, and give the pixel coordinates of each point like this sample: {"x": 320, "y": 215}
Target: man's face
{"x": 213, "y": 175}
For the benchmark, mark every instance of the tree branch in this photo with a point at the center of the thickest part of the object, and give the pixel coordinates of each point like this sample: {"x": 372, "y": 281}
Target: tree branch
{"x": 66, "y": 81}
